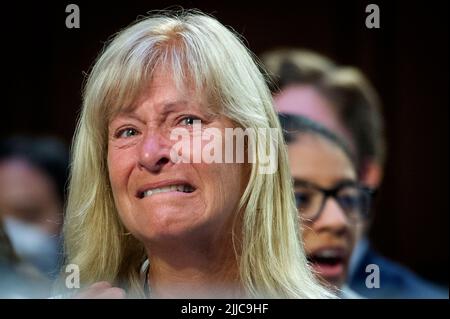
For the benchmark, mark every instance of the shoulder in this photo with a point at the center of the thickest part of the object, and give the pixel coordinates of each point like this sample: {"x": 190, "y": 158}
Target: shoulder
{"x": 347, "y": 293}
{"x": 396, "y": 280}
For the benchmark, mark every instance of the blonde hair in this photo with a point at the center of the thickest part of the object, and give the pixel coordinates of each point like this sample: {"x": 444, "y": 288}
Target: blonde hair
{"x": 196, "y": 47}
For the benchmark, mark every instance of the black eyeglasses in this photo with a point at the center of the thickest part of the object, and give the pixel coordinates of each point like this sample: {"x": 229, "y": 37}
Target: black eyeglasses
{"x": 353, "y": 198}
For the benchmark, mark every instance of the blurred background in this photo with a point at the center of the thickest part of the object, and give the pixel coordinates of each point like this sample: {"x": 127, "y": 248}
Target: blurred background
{"x": 406, "y": 60}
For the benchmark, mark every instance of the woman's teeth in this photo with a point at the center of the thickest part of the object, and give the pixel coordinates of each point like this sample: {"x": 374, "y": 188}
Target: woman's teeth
{"x": 328, "y": 253}
{"x": 328, "y": 256}
{"x": 173, "y": 188}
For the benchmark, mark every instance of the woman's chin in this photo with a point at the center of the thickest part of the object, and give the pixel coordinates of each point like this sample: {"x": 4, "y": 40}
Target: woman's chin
{"x": 333, "y": 275}
{"x": 169, "y": 227}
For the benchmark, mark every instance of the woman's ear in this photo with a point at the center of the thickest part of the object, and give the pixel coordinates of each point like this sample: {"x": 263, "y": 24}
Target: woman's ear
{"x": 371, "y": 174}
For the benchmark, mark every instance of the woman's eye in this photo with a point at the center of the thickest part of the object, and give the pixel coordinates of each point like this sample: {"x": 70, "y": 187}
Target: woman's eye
{"x": 302, "y": 199}
{"x": 128, "y": 132}
{"x": 189, "y": 120}
{"x": 349, "y": 202}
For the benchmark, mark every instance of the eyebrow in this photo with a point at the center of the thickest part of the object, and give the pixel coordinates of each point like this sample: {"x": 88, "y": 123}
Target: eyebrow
{"x": 298, "y": 182}
{"x": 301, "y": 182}
{"x": 171, "y": 106}
{"x": 128, "y": 113}
{"x": 167, "y": 107}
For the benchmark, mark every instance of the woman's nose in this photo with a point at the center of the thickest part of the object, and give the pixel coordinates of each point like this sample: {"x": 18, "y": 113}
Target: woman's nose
{"x": 154, "y": 153}
{"x": 333, "y": 218}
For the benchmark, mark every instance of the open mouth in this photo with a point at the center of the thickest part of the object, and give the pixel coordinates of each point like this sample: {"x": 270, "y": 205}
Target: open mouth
{"x": 326, "y": 257}
{"x": 328, "y": 262}
{"x": 182, "y": 188}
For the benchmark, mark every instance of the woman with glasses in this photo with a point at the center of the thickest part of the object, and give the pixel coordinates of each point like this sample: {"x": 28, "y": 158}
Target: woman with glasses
{"x": 330, "y": 201}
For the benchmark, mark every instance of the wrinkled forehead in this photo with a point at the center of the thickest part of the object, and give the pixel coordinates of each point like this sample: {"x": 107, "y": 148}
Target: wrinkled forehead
{"x": 166, "y": 88}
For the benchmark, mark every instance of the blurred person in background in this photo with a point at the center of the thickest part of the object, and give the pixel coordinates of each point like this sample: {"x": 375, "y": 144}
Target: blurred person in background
{"x": 18, "y": 278}
{"x": 330, "y": 200}
{"x": 33, "y": 173}
{"x": 343, "y": 100}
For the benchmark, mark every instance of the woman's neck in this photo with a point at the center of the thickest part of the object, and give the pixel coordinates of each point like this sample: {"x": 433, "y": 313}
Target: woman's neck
{"x": 184, "y": 270}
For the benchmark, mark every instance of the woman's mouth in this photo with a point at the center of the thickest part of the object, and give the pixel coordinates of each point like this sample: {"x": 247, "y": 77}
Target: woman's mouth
{"x": 182, "y": 188}
{"x": 329, "y": 263}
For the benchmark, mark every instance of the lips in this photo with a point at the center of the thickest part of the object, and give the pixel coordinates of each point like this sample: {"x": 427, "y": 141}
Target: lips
{"x": 165, "y": 187}
{"x": 329, "y": 262}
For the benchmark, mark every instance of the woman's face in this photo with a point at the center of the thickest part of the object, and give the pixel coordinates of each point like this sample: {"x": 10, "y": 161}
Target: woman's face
{"x": 29, "y": 195}
{"x": 330, "y": 238}
{"x": 158, "y": 199}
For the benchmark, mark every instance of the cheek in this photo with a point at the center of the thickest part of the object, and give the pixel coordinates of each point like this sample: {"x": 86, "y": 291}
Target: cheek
{"x": 119, "y": 168}
{"x": 352, "y": 234}
{"x": 307, "y": 236}
{"x": 232, "y": 179}
{"x": 223, "y": 185}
